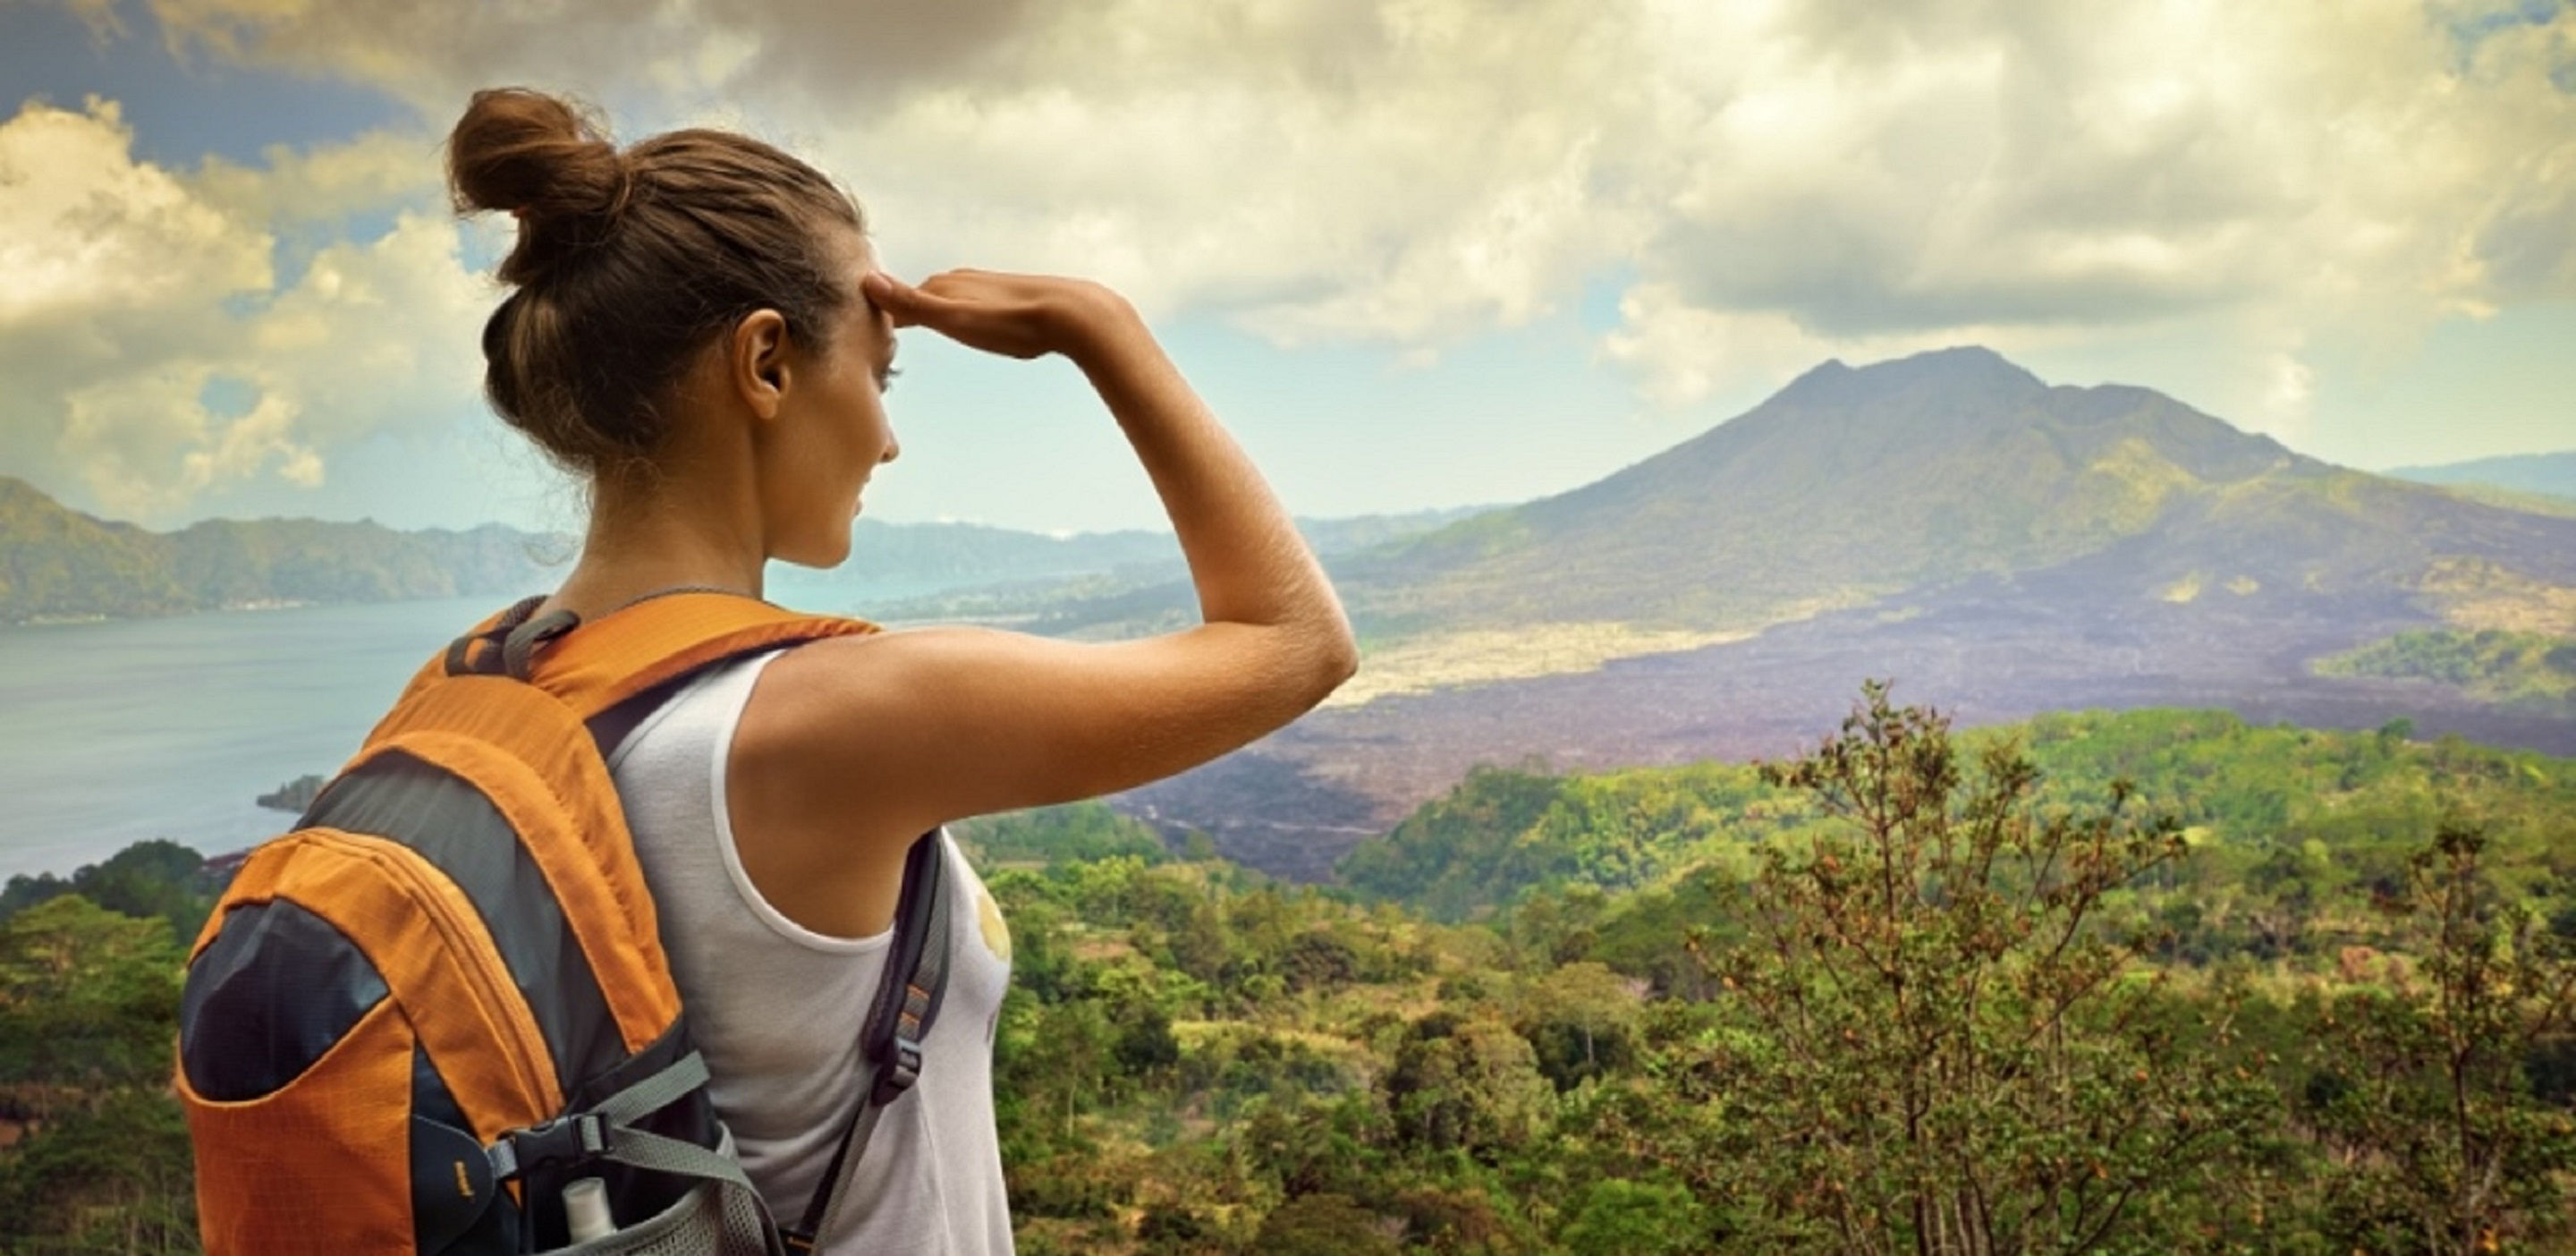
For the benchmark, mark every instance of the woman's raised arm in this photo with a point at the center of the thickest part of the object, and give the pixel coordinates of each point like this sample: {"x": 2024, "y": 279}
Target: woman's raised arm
{"x": 915, "y": 728}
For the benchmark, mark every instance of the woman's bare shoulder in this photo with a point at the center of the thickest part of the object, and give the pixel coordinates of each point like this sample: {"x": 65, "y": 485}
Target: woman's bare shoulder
{"x": 936, "y": 724}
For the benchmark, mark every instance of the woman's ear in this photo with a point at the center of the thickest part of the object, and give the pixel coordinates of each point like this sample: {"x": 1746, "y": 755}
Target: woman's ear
{"x": 757, "y": 363}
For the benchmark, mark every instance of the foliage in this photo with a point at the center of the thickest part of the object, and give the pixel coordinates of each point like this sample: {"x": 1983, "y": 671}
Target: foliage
{"x": 1503, "y": 831}
{"x": 1638, "y": 1218}
{"x": 2247, "y": 796}
{"x": 1324, "y": 1225}
{"x": 57, "y": 563}
{"x": 2157, "y": 981}
{"x": 2527, "y": 669}
{"x": 1951, "y": 1047}
{"x": 153, "y": 878}
{"x": 1073, "y": 832}
{"x": 2421, "y": 1086}
{"x": 89, "y": 1004}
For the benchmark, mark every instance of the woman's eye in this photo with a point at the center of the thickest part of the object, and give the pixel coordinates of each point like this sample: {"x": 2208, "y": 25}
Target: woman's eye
{"x": 886, "y": 378}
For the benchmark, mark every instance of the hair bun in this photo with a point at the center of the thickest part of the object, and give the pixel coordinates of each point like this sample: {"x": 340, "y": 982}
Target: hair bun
{"x": 547, "y": 163}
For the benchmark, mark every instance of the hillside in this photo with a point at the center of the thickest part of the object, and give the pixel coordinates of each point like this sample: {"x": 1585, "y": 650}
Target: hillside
{"x": 2547, "y": 475}
{"x": 1848, "y": 485}
{"x": 960, "y": 553}
{"x": 57, "y": 563}
{"x": 1853, "y": 485}
{"x": 1998, "y": 546}
{"x": 2205, "y": 1020}
{"x": 2241, "y": 790}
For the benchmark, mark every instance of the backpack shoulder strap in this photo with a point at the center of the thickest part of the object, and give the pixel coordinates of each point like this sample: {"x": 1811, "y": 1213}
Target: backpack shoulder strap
{"x": 594, "y": 665}
{"x": 653, "y": 642}
{"x": 908, "y": 999}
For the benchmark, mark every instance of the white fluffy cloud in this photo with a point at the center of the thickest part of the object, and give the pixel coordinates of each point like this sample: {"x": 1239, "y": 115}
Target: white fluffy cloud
{"x": 1770, "y": 182}
{"x": 86, "y": 232}
{"x": 2006, "y": 171}
{"x": 1413, "y": 170}
{"x": 151, "y": 347}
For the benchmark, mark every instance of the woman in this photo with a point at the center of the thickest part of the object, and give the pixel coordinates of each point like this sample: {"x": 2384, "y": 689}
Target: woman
{"x": 700, "y": 331}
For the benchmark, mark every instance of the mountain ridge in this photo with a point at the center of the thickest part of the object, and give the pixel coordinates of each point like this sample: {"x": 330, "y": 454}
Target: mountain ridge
{"x": 1942, "y": 465}
{"x": 57, "y": 563}
{"x": 1848, "y": 485}
{"x": 2002, "y": 546}
{"x": 2550, "y": 475}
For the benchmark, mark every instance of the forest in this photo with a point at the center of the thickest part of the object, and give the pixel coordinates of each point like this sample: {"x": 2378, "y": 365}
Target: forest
{"x": 2155, "y": 981}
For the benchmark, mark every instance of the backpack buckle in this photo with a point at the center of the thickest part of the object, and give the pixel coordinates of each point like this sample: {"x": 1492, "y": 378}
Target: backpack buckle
{"x": 576, "y": 1138}
{"x": 901, "y": 1071}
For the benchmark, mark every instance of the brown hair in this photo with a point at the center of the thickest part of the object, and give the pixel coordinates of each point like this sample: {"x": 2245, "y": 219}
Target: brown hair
{"x": 627, "y": 261}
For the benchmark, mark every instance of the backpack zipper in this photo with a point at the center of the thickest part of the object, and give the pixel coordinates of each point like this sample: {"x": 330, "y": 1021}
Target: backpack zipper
{"x": 476, "y": 954}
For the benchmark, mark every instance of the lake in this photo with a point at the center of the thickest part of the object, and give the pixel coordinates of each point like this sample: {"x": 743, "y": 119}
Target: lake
{"x": 112, "y": 733}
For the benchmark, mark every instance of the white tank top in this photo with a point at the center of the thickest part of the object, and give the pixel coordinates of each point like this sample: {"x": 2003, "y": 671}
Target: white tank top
{"x": 777, "y": 1008}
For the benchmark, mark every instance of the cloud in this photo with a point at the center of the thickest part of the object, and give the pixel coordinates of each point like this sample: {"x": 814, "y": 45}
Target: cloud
{"x": 153, "y": 348}
{"x": 671, "y": 56}
{"x": 1773, "y": 182}
{"x": 1407, "y": 171}
{"x": 100, "y": 16}
{"x": 326, "y": 184}
{"x": 1414, "y": 170}
{"x": 84, "y": 231}
{"x": 146, "y": 442}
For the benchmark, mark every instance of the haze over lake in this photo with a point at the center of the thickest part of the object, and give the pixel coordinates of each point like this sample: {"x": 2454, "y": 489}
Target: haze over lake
{"x": 119, "y": 732}
{"x": 123, "y": 731}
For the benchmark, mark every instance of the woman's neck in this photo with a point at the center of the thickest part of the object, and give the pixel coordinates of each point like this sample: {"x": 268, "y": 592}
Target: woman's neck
{"x": 645, "y": 542}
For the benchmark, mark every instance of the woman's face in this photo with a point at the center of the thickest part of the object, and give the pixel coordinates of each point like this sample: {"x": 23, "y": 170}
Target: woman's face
{"x": 832, "y": 432}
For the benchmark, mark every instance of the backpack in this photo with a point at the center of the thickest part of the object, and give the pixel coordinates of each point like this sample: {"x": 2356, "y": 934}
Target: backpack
{"x": 413, "y": 1022}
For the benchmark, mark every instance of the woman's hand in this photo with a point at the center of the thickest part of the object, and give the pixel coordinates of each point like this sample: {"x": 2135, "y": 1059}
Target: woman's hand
{"x": 1020, "y": 316}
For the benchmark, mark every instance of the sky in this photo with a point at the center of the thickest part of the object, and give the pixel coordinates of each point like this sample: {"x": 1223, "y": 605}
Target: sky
{"x": 1416, "y": 253}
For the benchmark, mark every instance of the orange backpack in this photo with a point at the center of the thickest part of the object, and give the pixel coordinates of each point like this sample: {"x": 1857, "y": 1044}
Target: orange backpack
{"x": 414, "y": 1020}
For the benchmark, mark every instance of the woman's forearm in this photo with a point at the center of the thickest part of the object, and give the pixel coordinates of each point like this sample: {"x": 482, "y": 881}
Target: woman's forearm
{"x": 1248, "y": 562}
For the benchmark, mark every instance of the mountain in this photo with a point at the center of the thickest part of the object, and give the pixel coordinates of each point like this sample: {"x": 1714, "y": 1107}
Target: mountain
{"x": 1855, "y": 485}
{"x": 57, "y": 563}
{"x": 2548, "y": 475}
{"x": 1848, "y": 485}
{"x": 1998, "y": 546}
{"x": 999, "y": 568}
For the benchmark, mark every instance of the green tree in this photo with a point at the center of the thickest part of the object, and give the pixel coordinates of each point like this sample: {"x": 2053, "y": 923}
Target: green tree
{"x": 89, "y": 1005}
{"x": 1467, "y": 1083}
{"x": 149, "y": 878}
{"x": 1950, "y": 1045}
{"x": 114, "y": 1175}
{"x": 1580, "y": 1020}
{"x": 2422, "y": 1087}
{"x": 89, "y": 1002}
{"x": 1324, "y": 1225}
{"x": 1636, "y": 1219}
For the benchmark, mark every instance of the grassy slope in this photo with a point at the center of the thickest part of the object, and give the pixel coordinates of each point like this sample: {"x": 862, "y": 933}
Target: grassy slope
{"x": 1502, "y": 832}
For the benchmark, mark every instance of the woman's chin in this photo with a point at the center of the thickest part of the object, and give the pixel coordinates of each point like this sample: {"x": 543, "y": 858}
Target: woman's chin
{"x": 825, "y": 553}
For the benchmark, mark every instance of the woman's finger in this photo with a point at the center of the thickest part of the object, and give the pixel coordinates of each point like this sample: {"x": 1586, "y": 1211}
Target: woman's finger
{"x": 901, "y": 301}
{"x": 977, "y": 309}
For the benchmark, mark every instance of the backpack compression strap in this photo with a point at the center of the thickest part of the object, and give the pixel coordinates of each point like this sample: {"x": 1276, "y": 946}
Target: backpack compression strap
{"x": 908, "y": 999}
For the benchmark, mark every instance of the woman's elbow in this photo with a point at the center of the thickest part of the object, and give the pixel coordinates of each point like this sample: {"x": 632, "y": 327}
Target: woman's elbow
{"x": 1337, "y": 656}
